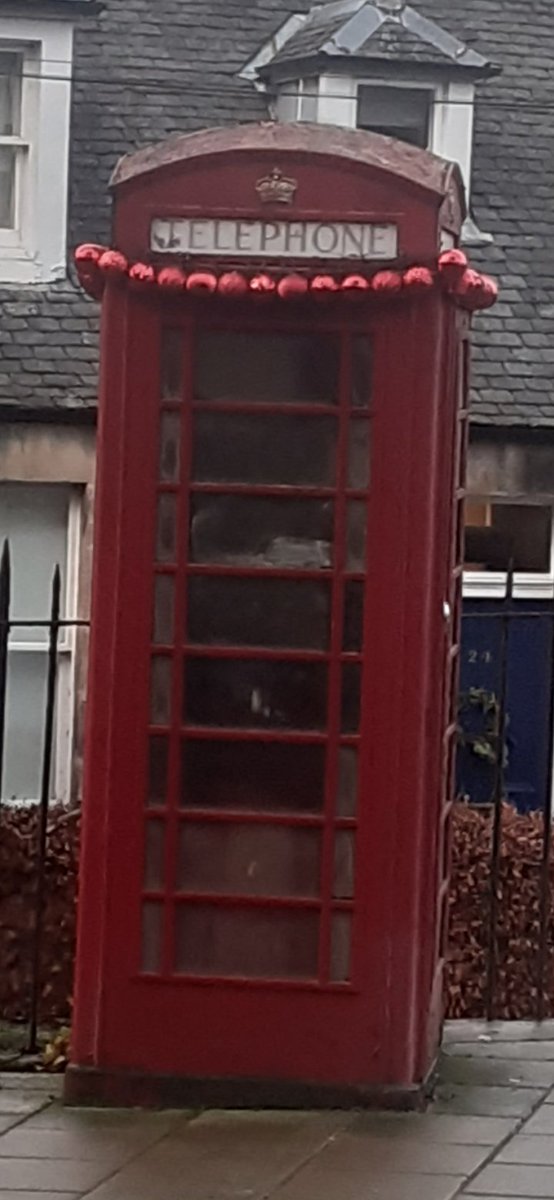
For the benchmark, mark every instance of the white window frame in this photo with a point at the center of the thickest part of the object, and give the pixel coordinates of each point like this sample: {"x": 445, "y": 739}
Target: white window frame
{"x": 528, "y": 585}
{"x": 35, "y": 250}
{"x": 60, "y": 788}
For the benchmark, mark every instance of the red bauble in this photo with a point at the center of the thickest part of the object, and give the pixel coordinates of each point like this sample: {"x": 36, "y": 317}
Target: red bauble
{"x": 262, "y": 286}
{"x": 202, "y": 282}
{"x": 489, "y": 292}
{"x": 418, "y": 279}
{"x": 142, "y": 275}
{"x": 323, "y": 287}
{"x": 113, "y": 264}
{"x": 92, "y": 280}
{"x": 386, "y": 283}
{"x": 452, "y": 265}
{"x": 232, "y": 284}
{"x": 89, "y": 253}
{"x": 292, "y": 287}
{"x": 172, "y": 278}
{"x": 354, "y": 287}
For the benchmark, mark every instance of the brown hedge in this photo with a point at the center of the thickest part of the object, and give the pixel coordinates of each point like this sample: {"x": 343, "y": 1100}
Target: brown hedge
{"x": 517, "y": 935}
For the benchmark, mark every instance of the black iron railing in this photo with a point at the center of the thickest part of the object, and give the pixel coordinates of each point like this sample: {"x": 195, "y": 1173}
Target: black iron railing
{"x": 54, "y": 624}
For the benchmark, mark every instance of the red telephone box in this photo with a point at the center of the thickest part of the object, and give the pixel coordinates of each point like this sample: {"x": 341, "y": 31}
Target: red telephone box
{"x": 265, "y": 825}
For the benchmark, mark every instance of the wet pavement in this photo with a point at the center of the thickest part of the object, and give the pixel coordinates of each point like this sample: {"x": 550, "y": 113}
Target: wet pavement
{"x": 489, "y": 1135}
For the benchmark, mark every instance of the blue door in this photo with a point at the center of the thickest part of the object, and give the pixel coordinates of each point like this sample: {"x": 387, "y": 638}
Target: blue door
{"x": 529, "y": 684}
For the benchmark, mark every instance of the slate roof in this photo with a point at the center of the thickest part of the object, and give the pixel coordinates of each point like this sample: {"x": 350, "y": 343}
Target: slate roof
{"x": 147, "y": 68}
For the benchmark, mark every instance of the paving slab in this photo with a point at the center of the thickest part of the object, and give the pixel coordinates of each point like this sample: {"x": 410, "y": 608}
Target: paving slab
{"x": 354, "y": 1152}
{"x": 540, "y": 1051}
{"x": 43, "y": 1175}
{"x": 496, "y": 1071}
{"x": 541, "y": 1122}
{"x": 487, "y": 1101}
{"x": 507, "y": 1180}
{"x": 225, "y": 1156}
{"x": 437, "y": 1127}
{"x": 17, "y": 1195}
{"x": 82, "y": 1145}
{"x": 55, "y": 1116}
{"x": 314, "y": 1183}
{"x": 502, "y": 1031}
{"x": 21, "y": 1104}
{"x": 528, "y": 1148}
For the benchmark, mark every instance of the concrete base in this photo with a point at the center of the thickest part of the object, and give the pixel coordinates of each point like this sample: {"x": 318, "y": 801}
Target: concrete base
{"x": 132, "y": 1089}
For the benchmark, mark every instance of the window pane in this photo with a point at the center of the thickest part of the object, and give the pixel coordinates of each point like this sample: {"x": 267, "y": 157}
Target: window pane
{"x": 248, "y": 860}
{"x": 259, "y": 612}
{"x": 152, "y": 935}
{"x": 358, "y": 453}
{"x": 10, "y": 94}
{"x": 25, "y": 701}
{"x": 361, "y": 371}
{"x": 347, "y": 796}
{"x": 251, "y": 448}
{"x": 166, "y": 534}
{"x": 254, "y": 776}
{"x": 356, "y": 535}
{"x": 154, "y": 859}
{"x": 170, "y": 432}
{"x": 172, "y": 364}
{"x": 160, "y": 690}
{"x": 343, "y": 884}
{"x": 7, "y": 187}
{"x": 34, "y": 519}
{"x": 397, "y": 112}
{"x": 496, "y": 533}
{"x": 270, "y": 531}
{"x": 164, "y": 608}
{"x": 255, "y": 694}
{"x": 341, "y": 938}
{"x": 350, "y": 708}
{"x": 287, "y": 368}
{"x": 254, "y": 943}
{"x": 157, "y": 771}
{"x": 353, "y": 615}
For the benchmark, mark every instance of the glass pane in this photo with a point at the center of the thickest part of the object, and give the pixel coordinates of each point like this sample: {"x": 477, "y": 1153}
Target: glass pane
{"x": 496, "y": 533}
{"x": 248, "y": 860}
{"x": 7, "y": 187}
{"x": 154, "y": 858}
{"x": 256, "y": 776}
{"x": 166, "y": 536}
{"x": 396, "y": 112}
{"x": 11, "y": 65}
{"x": 157, "y": 770}
{"x": 255, "y": 694}
{"x": 343, "y": 882}
{"x": 160, "y": 690}
{"x": 172, "y": 364}
{"x": 358, "y": 453}
{"x": 170, "y": 432}
{"x": 341, "y": 939}
{"x": 152, "y": 935}
{"x": 254, "y": 942}
{"x": 350, "y": 705}
{"x": 267, "y": 367}
{"x": 361, "y": 371}
{"x": 353, "y": 615}
{"x": 164, "y": 609}
{"x": 245, "y": 530}
{"x": 34, "y": 519}
{"x": 25, "y": 700}
{"x": 255, "y": 448}
{"x": 356, "y": 535}
{"x": 259, "y": 612}
{"x": 347, "y": 794}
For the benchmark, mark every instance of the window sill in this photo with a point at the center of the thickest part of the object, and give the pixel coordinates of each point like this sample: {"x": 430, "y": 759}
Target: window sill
{"x": 491, "y": 585}
{"x": 19, "y": 266}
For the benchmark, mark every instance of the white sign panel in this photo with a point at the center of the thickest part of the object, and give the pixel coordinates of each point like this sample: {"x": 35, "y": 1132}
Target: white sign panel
{"x": 274, "y": 239}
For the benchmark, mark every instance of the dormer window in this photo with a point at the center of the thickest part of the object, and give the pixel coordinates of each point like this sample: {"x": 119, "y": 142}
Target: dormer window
{"x": 379, "y": 66}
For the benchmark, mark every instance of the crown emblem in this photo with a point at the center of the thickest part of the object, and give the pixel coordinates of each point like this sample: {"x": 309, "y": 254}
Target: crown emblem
{"x": 275, "y": 188}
